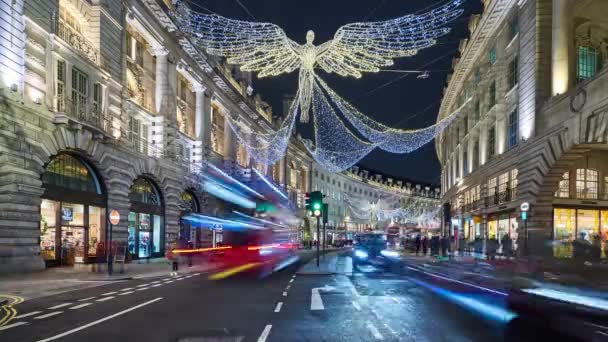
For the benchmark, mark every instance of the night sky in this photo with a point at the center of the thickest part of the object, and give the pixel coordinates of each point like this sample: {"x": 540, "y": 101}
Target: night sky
{"x": 403, "y": 101}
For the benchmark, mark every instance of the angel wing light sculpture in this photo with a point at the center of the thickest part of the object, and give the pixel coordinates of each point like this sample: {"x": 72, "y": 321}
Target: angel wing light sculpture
{"x": 356, "y": 48}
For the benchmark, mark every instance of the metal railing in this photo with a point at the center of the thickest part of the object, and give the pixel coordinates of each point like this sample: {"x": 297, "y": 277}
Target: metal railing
{"x": 84, "y": 112}
{"x": 76, "y": 40}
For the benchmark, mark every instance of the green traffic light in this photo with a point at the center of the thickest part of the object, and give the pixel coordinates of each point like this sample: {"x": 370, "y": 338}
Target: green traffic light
{"x": 316, "y": 206}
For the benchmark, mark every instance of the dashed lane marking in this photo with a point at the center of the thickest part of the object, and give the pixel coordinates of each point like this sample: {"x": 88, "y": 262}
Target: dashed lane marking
{"x": 372, "y": 328}
{"x": 180, "y": 278}
{"x": 100, "y": 320}
{"x": 284, "y": 294}
{"x": 288, "y": 287}
{"x": 291, "y": 281}
{"x": 85, "y": 299}
{"x": 169, "y": 282}
{"x": 80, "y": 306}
{"x": 108, "y": 293}
{"x": 156, "y": 285}
{"x": 126, "y": 293}
{"x": 357, "y": 306}
{"x": 188, "y": 276}
{"x": 6, "y": 327}
{"x": 196, "y": 274}
{"x": 265, "y": 333}
{"x": 126, "y": 289}
{"x": 167, "y": 279}
{"x": 396, "y": 300}
{"x": 50, "y": 314}
{"x": 142, "y": 288}
{"x": 142, "y": 285}
{"x": 28, "y": 314}
{"x": 278, "y": 307}
{"x": 104, "y": 299}
{"x": 59, "y": 306}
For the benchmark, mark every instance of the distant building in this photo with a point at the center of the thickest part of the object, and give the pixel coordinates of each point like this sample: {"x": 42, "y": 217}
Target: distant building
{"x": 531, "y": 82}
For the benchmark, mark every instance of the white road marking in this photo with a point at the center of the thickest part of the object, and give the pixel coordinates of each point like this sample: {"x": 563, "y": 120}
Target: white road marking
{"x": 372, "y": 328}
{"x": 104, "y": 299}
{"x": 59, "y": 306}
{"x": 197, "y": 274}
{"x": 156, "y": 285}
{"x": 142, "y": 285}
{"x": 6, "y": 327}
{"x": 108, "y": 293}
{"x": 180, "y": 278}
{"x": 100, "y": 320}
{"x": 166, "y": 279}
{"x": 126, "y": 289}
{"x": 278, "y": 308}
{"x": 291, "y": 281}
{"x": 85, "y": 299}
{"x": 50, "y": 314}
{"x": 80, "y": 306}
{"x": 357, "y": 306}
{"x": 288, "y": 287}
{"x": 125, "y": 293}
{"x": 316, "y": 303}
{"x": 458, "y": 281}
{"x": 28, "y": 314}
{"x": 142, "y": 288}
{"x": 169, "y": 282}
{"x": 188, "y": 276}
{"x": 396, "y": 300}
{"x": 264, "y": 335}
{"x": 284, "y": 294}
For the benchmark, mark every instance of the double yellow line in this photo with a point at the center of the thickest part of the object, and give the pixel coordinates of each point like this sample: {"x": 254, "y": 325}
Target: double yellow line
{"x": 9, "y": 312}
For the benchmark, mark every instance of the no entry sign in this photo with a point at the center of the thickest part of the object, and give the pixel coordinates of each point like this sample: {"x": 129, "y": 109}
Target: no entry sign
{"x": 114, "y": 217}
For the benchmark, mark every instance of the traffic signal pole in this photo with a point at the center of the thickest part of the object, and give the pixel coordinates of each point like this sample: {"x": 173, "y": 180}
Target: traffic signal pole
{"x": 318, "y": 238}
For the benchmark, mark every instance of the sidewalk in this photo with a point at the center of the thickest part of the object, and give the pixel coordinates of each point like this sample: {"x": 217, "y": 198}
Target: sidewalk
{"x": 63, "y": 279}
{"x": 329, "y": 263}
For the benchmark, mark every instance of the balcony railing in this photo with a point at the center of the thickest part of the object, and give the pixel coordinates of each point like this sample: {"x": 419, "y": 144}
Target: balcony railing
{"x": 76, "y": 40}
{"x": 88, "y": 113}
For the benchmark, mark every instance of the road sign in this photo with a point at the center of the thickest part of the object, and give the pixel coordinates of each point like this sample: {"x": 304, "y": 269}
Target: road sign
{"x": 524, "y": 215}
{"x": 525, "y": 206}
{"x": 114, "y": 217}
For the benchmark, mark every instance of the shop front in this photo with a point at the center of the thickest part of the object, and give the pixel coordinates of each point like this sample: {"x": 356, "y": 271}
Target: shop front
{"x": 146, "y": 222}
{"x": 588, "y": 225}
{"x": 72, "y": 212}
{"x": 502, "y": 226}
{"x": 189, "y": 236}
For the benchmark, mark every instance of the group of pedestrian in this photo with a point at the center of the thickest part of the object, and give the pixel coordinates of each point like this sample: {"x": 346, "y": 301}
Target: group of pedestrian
{"x": 587, "y": 249}
{"x": 421, "y": 244}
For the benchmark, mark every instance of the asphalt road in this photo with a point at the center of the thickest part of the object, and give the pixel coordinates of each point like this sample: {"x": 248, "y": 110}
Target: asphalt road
{"x": 368, "y": 305}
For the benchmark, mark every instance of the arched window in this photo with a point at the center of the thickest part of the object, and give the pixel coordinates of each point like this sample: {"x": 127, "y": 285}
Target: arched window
{"x": 67, "y": 172}
{"x": 586, "y": 184}
{"x": 563, "y": 190}
{"x": 144, "y": 192}
{"x": 189, "y": 202}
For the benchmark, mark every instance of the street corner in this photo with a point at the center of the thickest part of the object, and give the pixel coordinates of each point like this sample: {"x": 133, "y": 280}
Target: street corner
{"x": 7, "y": 308}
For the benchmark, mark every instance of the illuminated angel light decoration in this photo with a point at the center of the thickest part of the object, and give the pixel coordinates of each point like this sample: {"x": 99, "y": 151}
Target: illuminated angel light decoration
{"x": 416, "y": 211}
{"x": 355, "y": 49}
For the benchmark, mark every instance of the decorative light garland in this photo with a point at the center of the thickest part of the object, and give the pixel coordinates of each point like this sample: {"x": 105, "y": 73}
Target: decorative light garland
{"x": 355, "y": 48}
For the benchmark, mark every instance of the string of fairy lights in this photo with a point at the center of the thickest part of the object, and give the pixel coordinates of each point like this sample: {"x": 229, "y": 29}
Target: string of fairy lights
{"x": 355, "y": 49}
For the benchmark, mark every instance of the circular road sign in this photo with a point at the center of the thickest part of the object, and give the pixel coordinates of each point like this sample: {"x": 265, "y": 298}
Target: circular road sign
{"x": 525, "y": 206}
{"x": 114, "y": 217}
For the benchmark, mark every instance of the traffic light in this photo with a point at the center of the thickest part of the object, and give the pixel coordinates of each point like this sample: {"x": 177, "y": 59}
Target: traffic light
{"x": 316, "y": 203}
{"x": 307, "y": 201}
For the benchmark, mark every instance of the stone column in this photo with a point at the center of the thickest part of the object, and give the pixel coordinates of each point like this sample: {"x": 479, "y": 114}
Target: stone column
{"x": 561, "y": 40}
{"x": 229, "y": 140}
{"x": 199, "y": 111}
{"x": 162, "y": 55}
{"x": 165, "y": 99}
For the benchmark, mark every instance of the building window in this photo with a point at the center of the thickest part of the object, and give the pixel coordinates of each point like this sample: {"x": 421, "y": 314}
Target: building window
{"x": 587, "y": 64}
{"x": 60, "y": 86}
{"x": 144, "y": 192}
{"x": 503, "y": 187}
{"x": 513, "y": 129}
{"x": 476, "y": 154}
{"x": 477, "y": 112}
{"x": 514, "y": 27}
{"x": 513, "y": 73}
{"x": 67, "y": 172}
{"x": 492, "y": 95}
{"x": 138, "y": 135}
{"x": 97, "y": 98}
{"x": 586, "y": 184}
{"x": 80, "y": 91}
{"x": 491, "y": 142}
{"x": 513, "y": 184}
{"x": 563, "y": 189}
{"x": 465, "y": 161}
{"x": 493, "y": 55}
{"x": 492, "y": 188}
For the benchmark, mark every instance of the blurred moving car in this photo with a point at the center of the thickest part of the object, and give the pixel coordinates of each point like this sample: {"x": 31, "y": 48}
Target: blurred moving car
{"x": 372, "y": 248}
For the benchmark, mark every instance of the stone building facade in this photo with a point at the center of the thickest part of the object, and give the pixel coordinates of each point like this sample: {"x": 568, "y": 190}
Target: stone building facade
{"x": 105, "y": 106}
{"x": 531, "y": 83}
{"x": 355, "y": 196}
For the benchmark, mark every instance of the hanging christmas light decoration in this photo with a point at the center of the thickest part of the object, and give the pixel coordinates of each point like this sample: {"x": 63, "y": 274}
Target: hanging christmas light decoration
{"x": 356, "y": 48}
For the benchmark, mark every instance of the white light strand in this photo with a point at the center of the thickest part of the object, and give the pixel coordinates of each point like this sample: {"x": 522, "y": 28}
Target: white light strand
{"x": 355, "y": 48}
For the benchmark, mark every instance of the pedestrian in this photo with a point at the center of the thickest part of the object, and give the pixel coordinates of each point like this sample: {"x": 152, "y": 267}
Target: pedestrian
{"x": 507, "y": 245}
{"x": 491, "y": 248}
{"x": 425, "y": 245}
{"x": 418, "y": 243}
